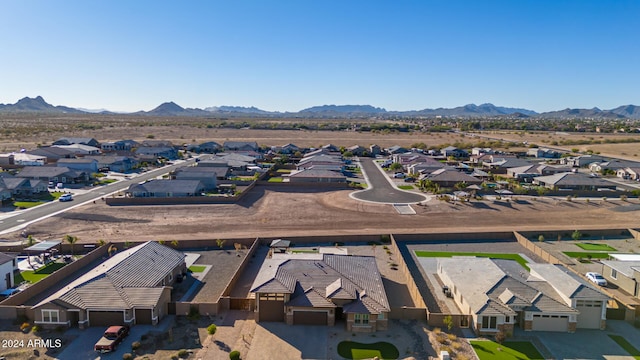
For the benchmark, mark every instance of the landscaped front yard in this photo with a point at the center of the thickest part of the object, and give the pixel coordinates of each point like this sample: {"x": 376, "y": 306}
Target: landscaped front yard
{"x": 510, "y": 350}
{"x": 354, "y": 350}
{"x": 626, "y": 345}
{"x": 587, "y": 255}
{"x": 514, "y": 257}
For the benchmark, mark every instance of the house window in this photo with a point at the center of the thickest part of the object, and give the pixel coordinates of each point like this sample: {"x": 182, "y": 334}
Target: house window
{"x": 614, "y": 274}
{"x": 381, "y": 316}
{"x": 50, "y": 316}
{"x": 489, "y": 322}
{"x": 507, "y": 319}
{"x": 362, "y": 319}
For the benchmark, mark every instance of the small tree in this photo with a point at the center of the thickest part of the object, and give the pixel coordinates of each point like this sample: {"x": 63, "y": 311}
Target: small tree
{"x": 541, "y": 238}
{"x": 174, "y": 243}
{"x": 30, "y": 240}
{"x": 448, "y": 321}
{"x": 395, "y": 166}
{"x": 211, "y": 329}
{"x": 576, "y": 235}
{"x": 220, "y": 243}
{"x": 234, "y": 355}
{"x": 101, "y": 242}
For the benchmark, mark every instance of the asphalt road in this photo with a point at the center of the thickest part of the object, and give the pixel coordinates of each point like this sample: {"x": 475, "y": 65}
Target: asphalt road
{"x": 381, "y": 189}
{"x": 10, "y": 223}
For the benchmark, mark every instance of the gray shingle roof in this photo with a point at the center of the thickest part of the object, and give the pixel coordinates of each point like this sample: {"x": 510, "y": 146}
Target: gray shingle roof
{"x": 4, "y": 258}
{"x": 46, "y": 171}
{"x": 164, "y": 185}
{"x": 624, "y": 267}
{"x": 567, "y": 284}
{"x": 573, "y": 179}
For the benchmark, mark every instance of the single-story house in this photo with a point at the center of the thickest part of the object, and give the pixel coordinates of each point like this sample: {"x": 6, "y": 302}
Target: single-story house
{"x": 166, "y": 188}
{"x": 318, "y": 289}
{"x": 285, "y": 149}
{"x": 77, "y": 140}
{"x": 546, "y": 299}
{"x": 82, "y": 164}
{"x": 612, "y": 165}
{"x": 375, "y": 150}
{"x": 543, "y": 153}
{"x": 120, "y": 145}
{"x": 22, "y": 159}
{"x": 396, "y": 149}
{"x": 312, "y": 175}
{"x": 624, "y": 274}
{"x": 502, "y": 165}
{"x": 206, "y": 175}
{"x": 573, "y": 181}
{"x": 240, "y": 146}
{"x": 448, "y": 178}
{"x": 157, "y": 143}
{"x": 279, "y": 245}
{"x": 131, "y": 287}
{"x": 80, "y": 149}
{"x": 357, "y": 150}
{"x": 57, "y": 174}
{"x": 52, "y": 153}
{"x": 115, "y": 163}
{"x": 22, "y": 187}
{"x": 629, "y": 173}
{"x": 209, "y": 147}
{"x": 528, "y": 172}
{"x": 166, "y": 152}
{"x": 7, "y": 267}
{"x": 582, "y": 160}
{"x": 454, "y": 152}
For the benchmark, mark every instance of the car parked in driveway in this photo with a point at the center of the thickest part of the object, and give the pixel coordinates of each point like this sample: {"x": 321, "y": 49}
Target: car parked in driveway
{"x": 596, "y": 278}
{"x": 65, "y": 197}
{"x": 399, "y": 175}
{"x": 111, "y": 338}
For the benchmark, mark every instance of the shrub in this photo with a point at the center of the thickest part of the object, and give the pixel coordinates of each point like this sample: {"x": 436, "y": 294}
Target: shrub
{"x": 452, "y": 337}
{"x": 211, "y": 329}
{"x": 437, "y": 331}
{"x": 174, "y": 357}
{"x": 25, "y": 326}
{"x": 35, "y": 329}
{"x": 194, "y": 313}
{"x": 234, "y": 355}
{"x": 182, "y": 353}
{"x": 135, "y": 345}
{"x": 127, "y": 356}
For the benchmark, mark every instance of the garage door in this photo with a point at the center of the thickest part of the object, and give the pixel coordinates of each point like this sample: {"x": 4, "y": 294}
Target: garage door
{"x": 106, "y": 318}
{"x": 550, "y": 323}
{"x": 590, "y": 314}
{"x": 143, "y": 316}
{"x": 310, "y": 318}
{"x": 272, "y": 310}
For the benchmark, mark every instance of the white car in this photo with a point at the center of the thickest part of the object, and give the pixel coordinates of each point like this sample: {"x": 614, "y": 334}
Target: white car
{"x": 66, "y": 197}
{"x": 399, "y": 175}
{"x": 596, "y": 278}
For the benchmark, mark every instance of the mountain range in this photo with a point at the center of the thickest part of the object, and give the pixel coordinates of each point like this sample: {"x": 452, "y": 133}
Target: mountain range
{"x": 39, "y": 105}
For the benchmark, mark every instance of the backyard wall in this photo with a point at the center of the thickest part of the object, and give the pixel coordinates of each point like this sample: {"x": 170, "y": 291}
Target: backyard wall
{"x": 411, "y": 284}
{"x": 59, "y": 276}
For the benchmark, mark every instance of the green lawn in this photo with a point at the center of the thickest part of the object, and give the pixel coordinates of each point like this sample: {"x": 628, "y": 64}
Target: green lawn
{"x": 595, "y": 247}
{"x": 27, "y": 204}
{"x": 354, "y": 350}
{"x": 275, "y": 180}
{"x": 405, "y": 187}
{"x": 586, "y": 254}
{"x": 106, "y": 181}
{"x": 516, "y": 350}
{"x": 35, "y": 276}
{"x": 514, "y": 257}
{"x": 304, "y": 251}
{"x": 197, "y": 268}
{"x": 632, "y": 350}
{"x": 284, "y": 171}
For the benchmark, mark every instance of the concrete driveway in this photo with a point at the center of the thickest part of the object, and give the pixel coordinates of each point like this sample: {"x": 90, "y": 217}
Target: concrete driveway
{"x": 588, "y": 344}
{"x": 289, "y": 342}
{"x": 82, "y": 346}
{"x": 381, "y": 188}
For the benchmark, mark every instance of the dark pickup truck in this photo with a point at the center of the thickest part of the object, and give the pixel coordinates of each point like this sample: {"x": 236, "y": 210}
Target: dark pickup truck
{"x": 111, "y": 338}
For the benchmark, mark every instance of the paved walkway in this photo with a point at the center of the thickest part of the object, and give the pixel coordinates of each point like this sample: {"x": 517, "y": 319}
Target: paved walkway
{"x": 381, "y": 188}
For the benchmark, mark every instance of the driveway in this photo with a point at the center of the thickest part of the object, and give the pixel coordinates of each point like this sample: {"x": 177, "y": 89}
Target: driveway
{"x": 82, "y": 346}
{"x": 587, "y": 344}
{"x": 381, "y": 188}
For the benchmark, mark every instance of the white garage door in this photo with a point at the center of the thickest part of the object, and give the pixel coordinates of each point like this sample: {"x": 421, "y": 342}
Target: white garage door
{"x": 590, "y": 314}
{"x": 550, "y": 323}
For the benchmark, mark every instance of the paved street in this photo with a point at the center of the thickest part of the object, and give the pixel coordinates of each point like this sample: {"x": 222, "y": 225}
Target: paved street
{"x": 381, "y": 188}
{"x": 15, "y": 221}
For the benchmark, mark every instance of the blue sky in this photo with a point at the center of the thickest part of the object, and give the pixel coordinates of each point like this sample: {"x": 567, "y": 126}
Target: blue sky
{"x": 289, "y": 55}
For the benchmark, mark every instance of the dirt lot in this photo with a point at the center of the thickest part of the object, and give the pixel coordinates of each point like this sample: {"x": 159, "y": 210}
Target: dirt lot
{"x": 269, "y": 212}
{"x": 19, "y": 345}
{"x": 629, "y": 151}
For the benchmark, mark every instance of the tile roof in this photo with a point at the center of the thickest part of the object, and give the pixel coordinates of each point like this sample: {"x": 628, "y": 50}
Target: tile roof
{"x": 624, "y": 267}
{"x": 130, "y": 278}
{"x": 567, "y": 284}
{"x": 330, "y": 277}
{"x": 46, "y": 171}
{"x": 573, "y": 179}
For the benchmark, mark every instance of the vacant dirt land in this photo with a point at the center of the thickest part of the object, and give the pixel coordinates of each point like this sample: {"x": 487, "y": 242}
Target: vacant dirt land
{"x": 268, "y": 212}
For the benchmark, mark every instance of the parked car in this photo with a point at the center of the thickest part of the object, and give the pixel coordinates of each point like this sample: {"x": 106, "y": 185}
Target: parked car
{"x": 409, "y": 179}
{"x": 52, "y": 185}
{"x": 398, "y": 175}
{"x": 596, "y": 278}
{"x": 111, "y": 338}
{"x": 65, "y": 197}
